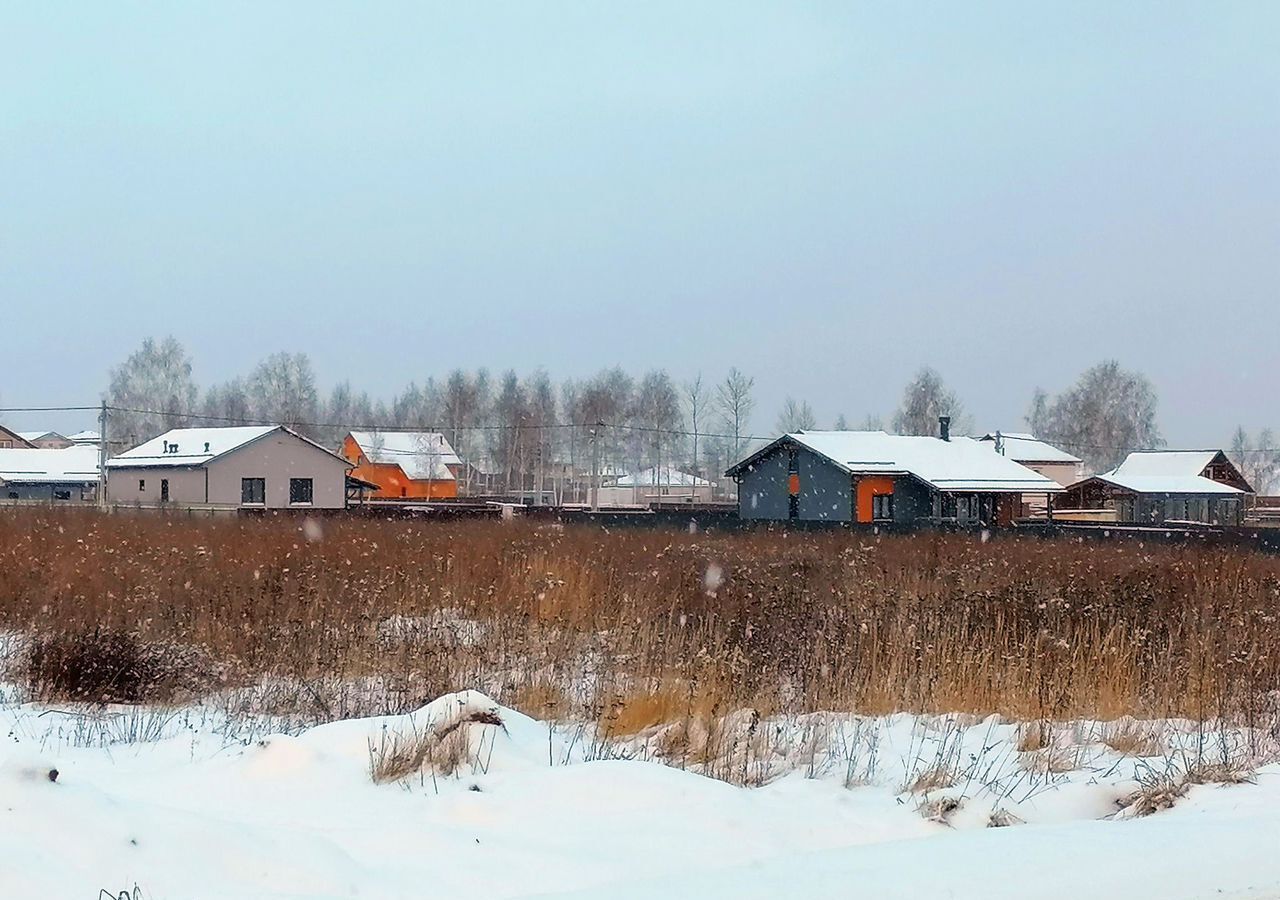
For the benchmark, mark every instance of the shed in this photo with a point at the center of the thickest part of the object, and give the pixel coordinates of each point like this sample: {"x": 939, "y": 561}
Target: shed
{"x": 657, "y": 484}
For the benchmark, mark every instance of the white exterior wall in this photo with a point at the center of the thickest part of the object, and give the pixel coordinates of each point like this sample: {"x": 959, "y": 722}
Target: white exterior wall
{"x": 142, "y": 484}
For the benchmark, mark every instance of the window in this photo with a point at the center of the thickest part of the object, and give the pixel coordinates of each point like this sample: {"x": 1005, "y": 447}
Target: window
{"x": 142, "y": 484}
{"x": 253, "y": 490}
{"x": 882, "y": 508}
{"x": 61, "y": 495}
{"x": 299, "y": 490}
{"x": 164, "y": 490}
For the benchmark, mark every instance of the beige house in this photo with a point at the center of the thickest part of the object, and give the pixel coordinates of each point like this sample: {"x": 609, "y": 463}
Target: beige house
{"x": 12, "y": 440}
{"x": 249, "y": 467}
{"x": 47, "y": 440}
{"x": 1041, "y": 458}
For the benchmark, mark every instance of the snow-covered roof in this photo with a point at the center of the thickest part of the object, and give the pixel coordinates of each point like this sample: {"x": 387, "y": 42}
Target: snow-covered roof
{"x": 1165, "y": 462}
{"x": 1026, "y": 448}
{"x": 84, "y": 437}
{"x": 189, "y": 446}
{"x": 1168, "y": 484}
{"x": 36, "y": 435}
{"x": 960, "y": 464}
{"x": 421, "y": 454}
{"x": 661, "y": 476}
{"x": 68, "y": 465}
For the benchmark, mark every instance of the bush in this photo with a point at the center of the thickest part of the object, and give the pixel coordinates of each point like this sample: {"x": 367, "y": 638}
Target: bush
{"x": 111, "y": 666}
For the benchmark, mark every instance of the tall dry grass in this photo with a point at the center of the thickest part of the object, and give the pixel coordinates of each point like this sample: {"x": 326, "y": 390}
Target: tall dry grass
{"x": 632, "y": 627}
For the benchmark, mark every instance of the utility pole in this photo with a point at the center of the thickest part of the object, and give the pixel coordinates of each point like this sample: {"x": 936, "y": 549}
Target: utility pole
{"x": 595, "y": 466}
{"x": 102, "y": 457}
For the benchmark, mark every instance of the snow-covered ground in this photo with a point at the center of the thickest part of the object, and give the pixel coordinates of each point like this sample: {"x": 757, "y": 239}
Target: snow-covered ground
{"x": 184, "y": 805}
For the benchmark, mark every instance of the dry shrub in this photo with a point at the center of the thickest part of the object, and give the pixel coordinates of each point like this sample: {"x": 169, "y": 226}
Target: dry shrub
{"x": 106, "y": 665}
{"x": 1033, "y": 736}
{"x": 541, "y": 699}
{"x": 1051, "y": 760}
{"x": 1157, "y": 792}
{"x": 940, "y": 809}
{"x": 1128, "y": 738}
{"x": 441, "y": 749}
{"x": 932, "y": 779}
{"x": 1231, "y": 772}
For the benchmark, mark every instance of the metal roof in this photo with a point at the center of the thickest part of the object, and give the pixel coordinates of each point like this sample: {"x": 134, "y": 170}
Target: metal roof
{"x": 68, "y": 465}
{"x": 1026, "y": 448}
{"x": 180, "y": 447}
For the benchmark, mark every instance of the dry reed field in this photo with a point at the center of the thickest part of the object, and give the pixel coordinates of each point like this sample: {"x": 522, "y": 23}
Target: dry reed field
{"x": 632, "y": 628}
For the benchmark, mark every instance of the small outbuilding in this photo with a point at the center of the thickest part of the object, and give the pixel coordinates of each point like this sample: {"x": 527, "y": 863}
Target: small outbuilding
{"x": 874, "y": 477}
{"x": 1161, "y": 487}
{"x": 242, "y": 467}
{"x": 1038, "y": 456}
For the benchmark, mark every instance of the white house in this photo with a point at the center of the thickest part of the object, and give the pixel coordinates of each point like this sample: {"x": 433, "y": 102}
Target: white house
{"x": 56, "y": 475}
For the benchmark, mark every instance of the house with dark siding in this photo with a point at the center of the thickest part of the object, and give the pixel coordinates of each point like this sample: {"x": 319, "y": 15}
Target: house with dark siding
{"x": 1161, "y": 487}
{"x": 872, "y": 477}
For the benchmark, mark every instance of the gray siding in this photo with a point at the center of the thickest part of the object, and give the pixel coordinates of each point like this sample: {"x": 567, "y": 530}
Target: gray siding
{"x": 142, "y": 484}
{"x": 826, "y": 491}
{"x": 762, "y": 492}
{"x": 911, "y": 500}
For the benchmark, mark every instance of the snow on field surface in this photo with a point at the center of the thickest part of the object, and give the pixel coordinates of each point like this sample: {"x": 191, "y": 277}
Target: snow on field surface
{"x": 199, "y": 810}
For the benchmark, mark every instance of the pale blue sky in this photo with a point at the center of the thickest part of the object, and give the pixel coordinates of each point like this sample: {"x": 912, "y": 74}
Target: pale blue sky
{"x": 826, "y": 195}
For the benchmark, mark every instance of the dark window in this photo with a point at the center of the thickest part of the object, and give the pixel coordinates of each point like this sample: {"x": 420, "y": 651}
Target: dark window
{"x": 882, "y": 508}
{"x": 61, "y": 495}
{"x": 164, "y": 490}
{"x": 142, "y": 484}
{"x": 299, "y": 490}
{"x": 253, "y": 490}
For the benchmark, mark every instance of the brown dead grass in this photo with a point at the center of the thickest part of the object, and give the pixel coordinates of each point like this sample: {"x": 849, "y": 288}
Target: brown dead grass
{"x": 933, "y": 623}
{"x": 1132, "y": 739}
{"x": 442, "y": 749}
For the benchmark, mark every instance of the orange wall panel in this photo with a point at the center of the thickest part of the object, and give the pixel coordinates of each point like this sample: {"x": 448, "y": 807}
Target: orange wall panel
{"x": 868, "y": 487}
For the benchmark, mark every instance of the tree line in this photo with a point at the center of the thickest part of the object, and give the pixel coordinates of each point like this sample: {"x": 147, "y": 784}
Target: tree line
{"x": 520, "y": 426}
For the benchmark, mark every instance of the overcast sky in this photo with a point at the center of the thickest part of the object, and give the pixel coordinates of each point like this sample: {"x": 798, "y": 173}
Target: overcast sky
{"x": 825, "y": 195}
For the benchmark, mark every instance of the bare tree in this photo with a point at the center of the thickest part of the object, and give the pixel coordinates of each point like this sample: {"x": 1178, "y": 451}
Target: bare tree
{"x": 152, "y": 391}
{"x": 282, "y": 390}
{"x": 796, "y": 416}
{"x": 842, "y": 423}
{"x": 1258, "y": 459}
{"x": 733, "y": 396}
{"x": 695, "y": 399}
{"x": 227, "y": 403}
{"x": 1104, "y": 416}
{"x": 924, "y": 400}
{"x": 871, "y": 422}
{"x": 657, "y": 417}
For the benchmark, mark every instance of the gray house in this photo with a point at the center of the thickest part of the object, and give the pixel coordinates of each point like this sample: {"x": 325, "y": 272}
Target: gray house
{"x": 874, "y": 477}
{"x": 60, "y": 475}
{"x": 250, "y": 467}
{"x": 1161, "y": 487}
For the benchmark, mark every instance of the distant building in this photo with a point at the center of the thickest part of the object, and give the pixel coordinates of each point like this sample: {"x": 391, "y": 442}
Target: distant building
{"x": 1038, "y": 456}
{"x": 68, "y": 474}
{"x": 243, "y": 467}
{"x": 85, "y": 437}
{"x": 870, "y": 476}
{"x": 47, "y": 440}
{"x": 1161, "y": 487}
{"x": 410, "y": 465}
{"x": 659, "y": 484}
{"x": 10, "y": 440}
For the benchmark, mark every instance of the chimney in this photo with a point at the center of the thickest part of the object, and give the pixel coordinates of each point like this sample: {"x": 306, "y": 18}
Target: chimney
{"x": 944, "y": 427}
